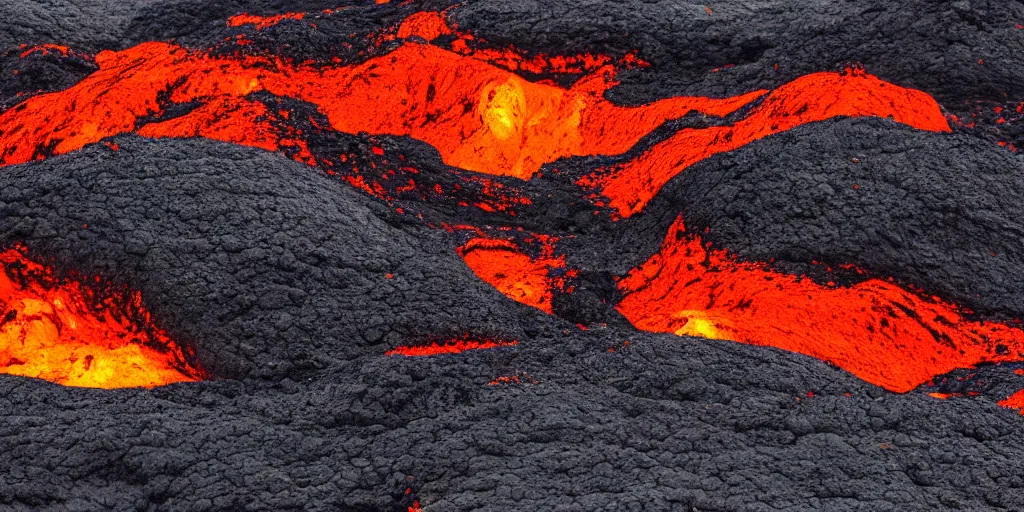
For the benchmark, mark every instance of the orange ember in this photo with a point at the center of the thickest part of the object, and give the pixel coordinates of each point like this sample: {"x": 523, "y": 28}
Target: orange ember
{"x": 450, "y": 347}
{"x": 53, "y": 332}
{"x": 1014, "y": 401}
{"x": 517, "y": 275}
{"x": 521, "y": 378}
{"x": 876, "y": 330}
{"x": 628, "y": 187}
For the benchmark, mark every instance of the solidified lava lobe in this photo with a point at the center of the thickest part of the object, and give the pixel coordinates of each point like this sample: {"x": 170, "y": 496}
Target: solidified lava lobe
{"x": 54, "y": 331}
{"x": 876, "y": 330}
{"x": 519, "y": 276}
{"x": 629, "y": 186}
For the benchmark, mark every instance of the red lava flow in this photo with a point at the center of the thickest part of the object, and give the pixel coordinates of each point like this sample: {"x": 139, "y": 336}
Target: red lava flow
{"x": 874, "y": 329}
{"x": 467, "y": 101}
{"x": 1014, "y": 401}
{"x": 478, "y": 116}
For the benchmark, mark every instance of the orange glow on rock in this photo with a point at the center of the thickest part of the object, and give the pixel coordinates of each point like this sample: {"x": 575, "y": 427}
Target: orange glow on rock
{"x": 427, "y": 25}
{"x": 520, "y": 277}
{"x": 874, "y": 329}
{"x": 1014, "y": 401}
{"x": 628, "y": 187}
{"x": 521, "y": 378}
{"x": 45, "y": 49}
{"x": 262, "y": 22}
{"x": 468, "y": 103}
{"x": 449, "y": 347}
{"x": 55, "y": 331}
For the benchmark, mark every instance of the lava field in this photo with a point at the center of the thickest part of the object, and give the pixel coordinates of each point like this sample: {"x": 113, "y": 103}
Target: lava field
{"x": 428, "y": 256}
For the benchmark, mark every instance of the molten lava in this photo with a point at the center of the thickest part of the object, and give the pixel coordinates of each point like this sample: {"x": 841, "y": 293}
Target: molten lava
{"x": 1014, "y": 401}
{"x": 628, "y": 187}
{"x": 57, "y": 332}
{"x": 262, "y": 22}
{"x": 450, "y": 347}
{"x": 874, "y": 329}
{"x": 519, "y": 276}
{"x": 467, "y": 101}
{"x": 478, "y": 116}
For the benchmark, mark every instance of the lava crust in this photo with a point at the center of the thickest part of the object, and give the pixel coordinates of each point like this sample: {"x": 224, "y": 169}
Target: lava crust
{"x": 493, "y": 255}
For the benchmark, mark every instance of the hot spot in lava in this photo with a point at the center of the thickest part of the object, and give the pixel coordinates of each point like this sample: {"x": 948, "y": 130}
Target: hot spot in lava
{"x": 63, "y": 331}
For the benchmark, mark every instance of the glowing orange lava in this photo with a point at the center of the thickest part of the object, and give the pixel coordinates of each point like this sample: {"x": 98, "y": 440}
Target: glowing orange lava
{"x": 45, "y": 49}
{"x": 478, "y": 116}
{"x": 450, "y": 347}
{"x": 628, "y": 187}
{"x": 53, "y": 331}
{"x": 428, "y": 25}
{"x": 520, "y": 277}
{"x": 262, "y": 22}
{"x": 1014, "y": 401}
{"x": 874, "y": 329}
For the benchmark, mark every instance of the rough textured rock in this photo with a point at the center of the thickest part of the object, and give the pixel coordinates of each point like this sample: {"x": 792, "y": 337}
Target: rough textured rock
{"x": 268, "y": 266}
{"x": 291, "y": 286}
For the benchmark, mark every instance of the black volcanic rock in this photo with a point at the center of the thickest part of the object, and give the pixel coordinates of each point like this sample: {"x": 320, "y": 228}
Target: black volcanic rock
{"x": 267, "y": 266}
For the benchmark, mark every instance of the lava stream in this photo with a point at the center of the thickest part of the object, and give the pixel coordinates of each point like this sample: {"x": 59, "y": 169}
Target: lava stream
{"x": 876, "y": 330}
{"x": 1014, "y": 401}
{"x": 478, "y": 116}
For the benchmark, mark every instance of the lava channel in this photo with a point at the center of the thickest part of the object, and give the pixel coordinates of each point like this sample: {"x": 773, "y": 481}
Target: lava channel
{"x": 629, "y": 186}
{"x": 479, "y": 116}
{"x": 59, "y": 331}
{"x": 874, "y": 329}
